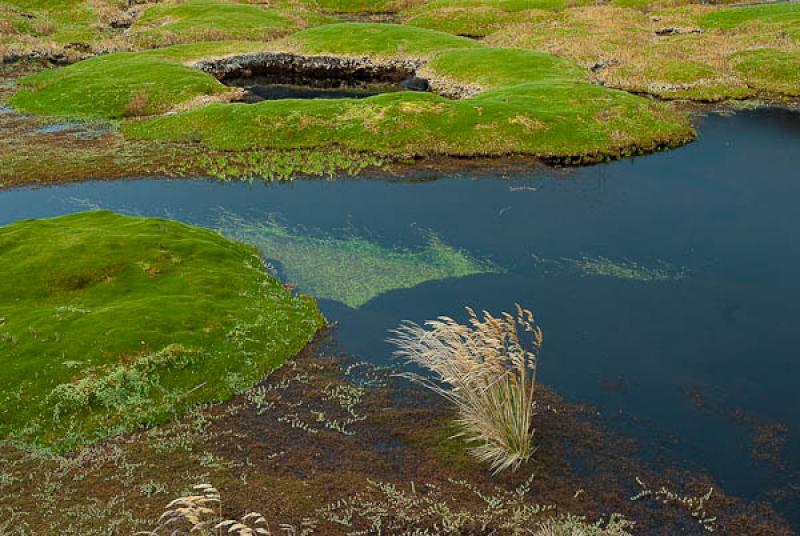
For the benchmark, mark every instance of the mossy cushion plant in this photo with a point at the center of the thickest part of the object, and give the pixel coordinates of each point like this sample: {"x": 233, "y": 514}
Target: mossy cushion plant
{"x": 124, "y": 84}
{"x": 202, "y": 20}
{"x": 108, "y": 322}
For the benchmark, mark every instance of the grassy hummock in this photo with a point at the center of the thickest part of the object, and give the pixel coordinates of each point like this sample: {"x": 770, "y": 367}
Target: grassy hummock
{"x": 109, "y": 322}
{"x": 376, "y": 40}
{"x": 125, "y": 84}
{"x": 206, "y": 20}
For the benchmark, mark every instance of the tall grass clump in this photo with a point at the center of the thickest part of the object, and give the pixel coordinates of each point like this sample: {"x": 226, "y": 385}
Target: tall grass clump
{"x": 487, "y": 369}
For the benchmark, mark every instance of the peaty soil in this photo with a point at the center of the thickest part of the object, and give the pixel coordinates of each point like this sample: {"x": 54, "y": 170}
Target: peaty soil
{"x": 329, "y": 446}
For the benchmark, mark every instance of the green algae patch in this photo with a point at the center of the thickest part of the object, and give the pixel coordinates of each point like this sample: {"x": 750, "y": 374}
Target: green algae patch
{"x": 379, "y": 40}
{"x": 351, "y": 269}
{"x": 207, "y": 20}
{"x": 124, "y": 84}
{"x": 109, "y": 322}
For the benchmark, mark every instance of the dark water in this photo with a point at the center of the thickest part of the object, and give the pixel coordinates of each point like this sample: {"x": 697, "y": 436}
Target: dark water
{"x": 258, "y": 93}
{"x": 693, "y": 336}
{"x": 261, "y": 89}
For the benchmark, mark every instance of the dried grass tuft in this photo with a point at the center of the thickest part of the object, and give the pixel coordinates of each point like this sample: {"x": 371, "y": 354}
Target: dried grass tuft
{"x": 201, "y": 514}
{"x": 487, "y": 369}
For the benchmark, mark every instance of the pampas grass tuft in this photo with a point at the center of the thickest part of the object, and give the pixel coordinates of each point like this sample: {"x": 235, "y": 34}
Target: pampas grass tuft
{"x": 487, "y": 369}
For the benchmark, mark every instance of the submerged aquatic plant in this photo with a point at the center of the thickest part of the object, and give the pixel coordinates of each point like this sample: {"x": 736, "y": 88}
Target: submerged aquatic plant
{"x": 488, "y": 371}
{"x": 350, "y": 267}
{"x": 600, "y": 266}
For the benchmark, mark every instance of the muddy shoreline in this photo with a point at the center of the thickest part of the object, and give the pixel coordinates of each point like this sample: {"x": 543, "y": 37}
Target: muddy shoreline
{"x": 281, "y": 449}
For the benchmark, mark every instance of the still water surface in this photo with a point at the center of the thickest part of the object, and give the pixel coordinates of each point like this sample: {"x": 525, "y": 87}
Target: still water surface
{"x": 668, "y": 286}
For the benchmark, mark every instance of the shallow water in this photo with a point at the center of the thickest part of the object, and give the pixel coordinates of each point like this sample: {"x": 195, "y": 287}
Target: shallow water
{"x": 667, "y": 286}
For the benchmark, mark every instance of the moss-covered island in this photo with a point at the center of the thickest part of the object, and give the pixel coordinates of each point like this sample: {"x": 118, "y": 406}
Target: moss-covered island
{"x": 108, "y": 322}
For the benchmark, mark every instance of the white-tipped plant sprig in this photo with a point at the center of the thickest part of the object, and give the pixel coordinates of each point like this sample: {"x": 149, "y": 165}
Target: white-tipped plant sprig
{"x": 201, "y": 514}
{"x": 487, "y": 369}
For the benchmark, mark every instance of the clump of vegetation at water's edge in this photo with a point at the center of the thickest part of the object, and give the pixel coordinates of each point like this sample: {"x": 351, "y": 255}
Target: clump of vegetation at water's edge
{"x": 488, "y": 371}
{"x": 109, "y": 322}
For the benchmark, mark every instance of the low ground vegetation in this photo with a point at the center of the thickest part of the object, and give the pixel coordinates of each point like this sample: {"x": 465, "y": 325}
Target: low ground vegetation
{"x": 142, "y": 319}
{"x": 326, "y": 445}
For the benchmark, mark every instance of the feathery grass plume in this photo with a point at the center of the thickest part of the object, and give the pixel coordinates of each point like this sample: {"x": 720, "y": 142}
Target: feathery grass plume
{"x": 487, "y": 369}
{"x": 201, "y": 514}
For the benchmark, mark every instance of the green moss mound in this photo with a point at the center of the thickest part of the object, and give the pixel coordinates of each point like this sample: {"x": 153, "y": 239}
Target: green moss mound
{"x": 355, "y": 6}
{"x": 208, "y": 20}
{"x": 123, "y": 84}
{"x": 61, "y": 21}
{"x": 499, "y": 67}
{"x": 108, "y": 322}
{"x": 379, "y": 40}
{"x": 480, "y": 18}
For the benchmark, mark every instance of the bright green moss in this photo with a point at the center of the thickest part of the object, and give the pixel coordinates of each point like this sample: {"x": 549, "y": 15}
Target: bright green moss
{"x": 533, "y": 103}
{"x": 204, "y": 20}
{"x": 770, "y": 70}
{"x": 551, "y": 119}
{"x": 108, "y": 322}
{"x": 384, "y": 40}
{"x": 498, "y": 67}
{"x": 480, "y": 18}
{"x": 354, "y": 6}
{"x": 122, "y": 84}
{"x": 779, "y": 14}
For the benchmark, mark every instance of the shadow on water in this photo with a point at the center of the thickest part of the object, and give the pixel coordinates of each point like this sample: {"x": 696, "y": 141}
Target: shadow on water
{"x": 667, "y": 285}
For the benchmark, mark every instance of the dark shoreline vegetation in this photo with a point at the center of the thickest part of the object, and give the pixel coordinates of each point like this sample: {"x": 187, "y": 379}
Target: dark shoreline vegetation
{"x": 145, "y": 359}
{"x": 329, "y": 445}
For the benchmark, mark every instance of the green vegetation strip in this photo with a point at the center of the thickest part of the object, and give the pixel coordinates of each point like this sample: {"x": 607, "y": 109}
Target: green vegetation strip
{"x": 109, "y": 322}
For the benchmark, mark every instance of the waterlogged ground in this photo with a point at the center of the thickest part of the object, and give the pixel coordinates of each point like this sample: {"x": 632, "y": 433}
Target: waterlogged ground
{"x": 667, "y": 285}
